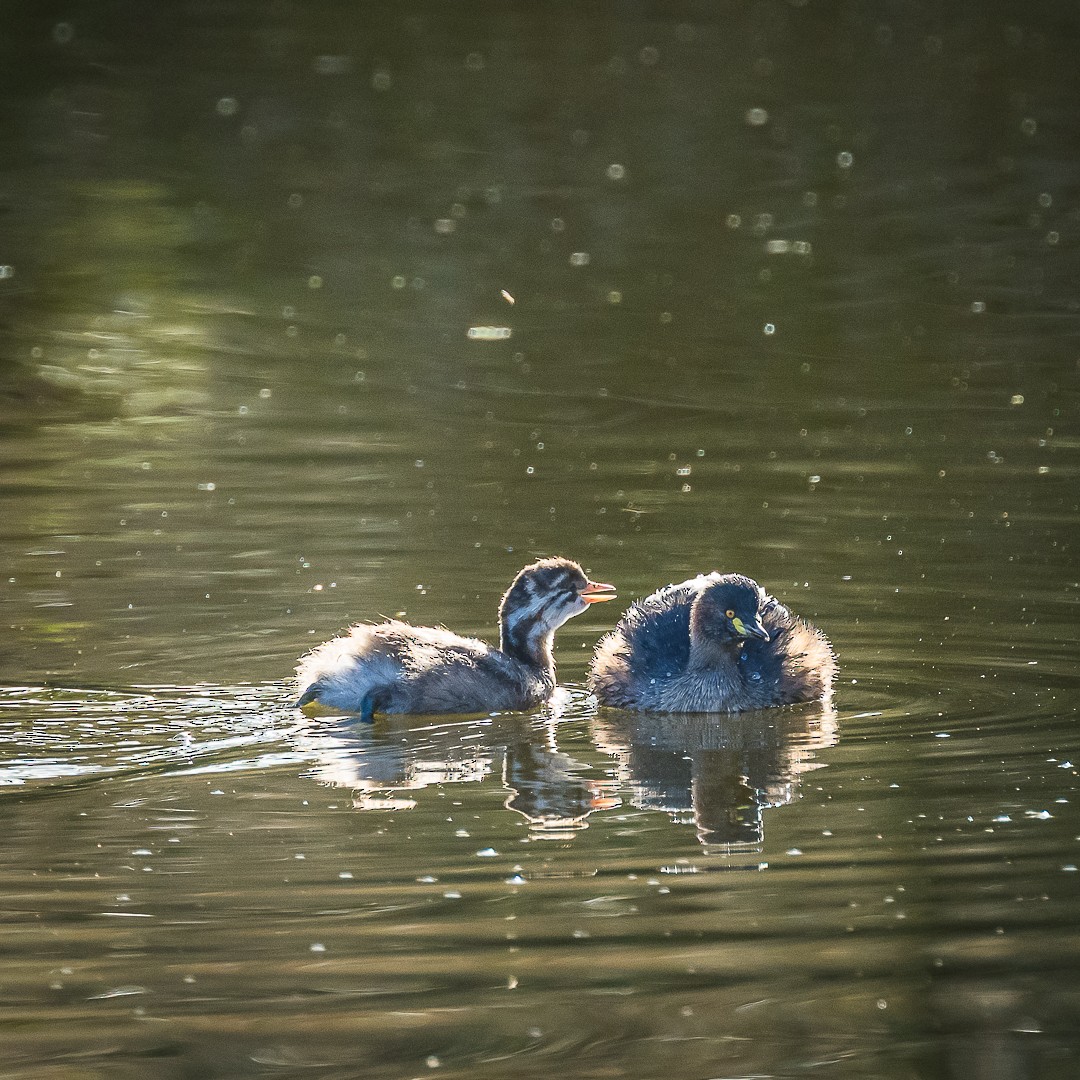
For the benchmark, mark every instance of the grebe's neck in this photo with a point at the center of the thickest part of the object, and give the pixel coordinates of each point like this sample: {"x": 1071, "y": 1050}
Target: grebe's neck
{"x": 529, "y": 641}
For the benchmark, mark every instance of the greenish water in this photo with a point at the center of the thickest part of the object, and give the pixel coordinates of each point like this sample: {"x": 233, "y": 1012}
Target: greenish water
{"x": 794, "y": 293}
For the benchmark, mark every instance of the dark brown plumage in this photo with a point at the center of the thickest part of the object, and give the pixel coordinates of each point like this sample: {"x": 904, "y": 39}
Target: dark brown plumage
{"x": 715, "y": 643}
{"x": 393, "y": 667}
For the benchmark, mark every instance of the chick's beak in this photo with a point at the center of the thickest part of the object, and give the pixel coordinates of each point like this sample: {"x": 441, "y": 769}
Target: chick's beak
{"x": 752, "y": 628}
{"x": 596, "y": 592}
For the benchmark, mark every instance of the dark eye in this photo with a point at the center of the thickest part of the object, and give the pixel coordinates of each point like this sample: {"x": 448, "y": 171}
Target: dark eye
{"x": 730, "y": 613}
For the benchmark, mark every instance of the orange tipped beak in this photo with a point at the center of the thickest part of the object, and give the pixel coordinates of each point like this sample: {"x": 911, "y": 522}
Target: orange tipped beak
{"x": 596, "y": 592}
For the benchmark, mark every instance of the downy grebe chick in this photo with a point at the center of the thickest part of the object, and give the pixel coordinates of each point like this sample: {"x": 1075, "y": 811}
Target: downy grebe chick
{"x": 393, "y": 667}
{"x": 715, "y": 643}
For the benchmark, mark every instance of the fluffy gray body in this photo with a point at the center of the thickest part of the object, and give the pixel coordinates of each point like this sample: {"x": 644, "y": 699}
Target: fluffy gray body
{"x": 393, "y": 667}
{"x": 677, "y": 651}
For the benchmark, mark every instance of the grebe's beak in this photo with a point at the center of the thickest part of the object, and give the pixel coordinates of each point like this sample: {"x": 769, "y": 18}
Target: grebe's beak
{"x": 753, "y": 628}
{"x": 596, "y": 592}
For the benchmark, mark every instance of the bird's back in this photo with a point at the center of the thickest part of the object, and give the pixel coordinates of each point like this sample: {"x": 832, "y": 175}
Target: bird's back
{"x": 393, "y": 667}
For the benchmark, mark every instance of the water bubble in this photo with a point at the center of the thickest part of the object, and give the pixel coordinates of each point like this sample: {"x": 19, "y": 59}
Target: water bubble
{"x": 1045, "y": 200}
{"x": 557, "y": 224}
{"x": 1028, "y": 126}
{"x": 845, "y": 159}
{"x": 733, "y": 221}
{"x": 649, "y": 55}
{"x": 1016, "y": 399}
{"x": 314, "y": 282}
{"x": 474, "y": 61}
{"x": 770, "y": 328}
{"x": 63, "y": 32}
{"x": 615, "y": 171}
{"x": 978, "y": 307}
{"x": 756, "y": 117}
{"x": 380, "y": 79}
{"x": 580, "y": 258}
{"x": 397, "y": 281}
{"x": 614, "y": 296}
{"x": 295, "y": 201}
{"x": 777, "y": 247}
{"x": 445, "y": 225}
{"x": 227, "y": 106}
{"x": 7, "y": 271}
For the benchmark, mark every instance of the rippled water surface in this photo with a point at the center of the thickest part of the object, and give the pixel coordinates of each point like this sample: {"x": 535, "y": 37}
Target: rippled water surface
{"x": 318, "y": 313}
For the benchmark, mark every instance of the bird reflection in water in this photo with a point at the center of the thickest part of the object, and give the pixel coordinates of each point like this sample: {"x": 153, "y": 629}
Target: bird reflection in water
{"x": 384, "y": 764}
{"x": 722, "y": 770}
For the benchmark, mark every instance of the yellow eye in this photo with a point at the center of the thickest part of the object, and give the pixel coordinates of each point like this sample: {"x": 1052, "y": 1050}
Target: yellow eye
{"x": 730, "y": 613}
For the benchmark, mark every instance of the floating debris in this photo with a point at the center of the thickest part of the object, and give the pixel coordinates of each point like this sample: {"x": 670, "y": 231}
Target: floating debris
{"x": 489, "y": 333}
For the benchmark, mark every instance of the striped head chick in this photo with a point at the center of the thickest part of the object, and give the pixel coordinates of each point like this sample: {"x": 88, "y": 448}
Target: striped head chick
{"x": 540, "y": 599}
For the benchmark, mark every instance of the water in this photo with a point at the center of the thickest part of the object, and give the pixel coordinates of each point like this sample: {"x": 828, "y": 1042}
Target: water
{"x": 793, "y": 293}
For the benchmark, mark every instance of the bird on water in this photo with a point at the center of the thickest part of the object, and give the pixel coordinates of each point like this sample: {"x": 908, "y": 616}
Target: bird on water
{"x": 715, "y": 643}
{"x": 393, "y": 667}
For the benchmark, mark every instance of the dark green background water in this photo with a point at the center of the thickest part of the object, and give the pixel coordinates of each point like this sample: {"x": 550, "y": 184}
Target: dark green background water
{"x": 796, "y": 292}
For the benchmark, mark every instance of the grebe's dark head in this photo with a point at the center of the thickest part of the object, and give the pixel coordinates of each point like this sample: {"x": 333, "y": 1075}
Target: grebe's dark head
{"x": 728, "y": 611}
{"x": 541, "y": 598}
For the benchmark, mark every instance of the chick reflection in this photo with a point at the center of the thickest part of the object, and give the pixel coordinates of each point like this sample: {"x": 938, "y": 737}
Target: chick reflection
{"x": 382, "y": 764}
{"x": 725, "y": 770}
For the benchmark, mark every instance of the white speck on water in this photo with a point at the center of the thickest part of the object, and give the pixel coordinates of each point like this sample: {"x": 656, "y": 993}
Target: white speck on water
{"x": 432, "y": 1062}
{"x": 427, "y": 879}
{"x": 1016, "y": 399}
{"x": 462, "y": 832}
{"x": 452, "y": 895}
{"x": 208, "y": 487}
{"x": 487, "y": 853}
{"x": 488, "y": 333}
{"x": 346, "y": 875}
{"x": 517, "y": 879}
{"x": 757, "y": 117}
{"x": 317, "y": 947}
{"x": 1001, "y": 819}
{"x": 580, "y": 258}
{"x": 1069, "y": 868}
{"x": 1038, "y": 815}
{"x": 507, "y": 297}
{"x": 942, "y": 735}
{"x": 793, "y": 851}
